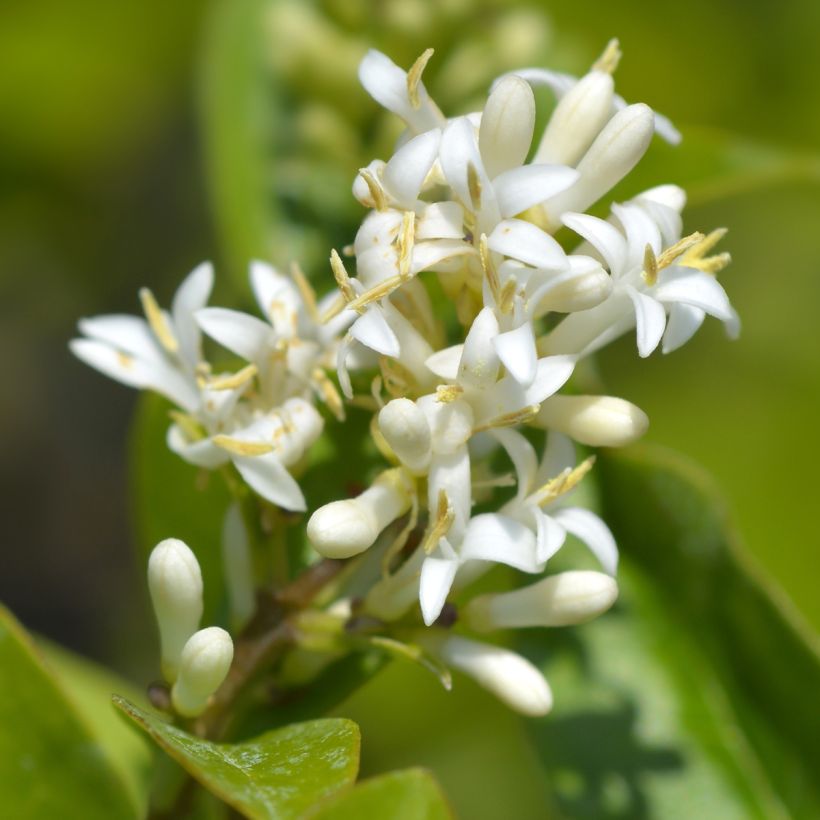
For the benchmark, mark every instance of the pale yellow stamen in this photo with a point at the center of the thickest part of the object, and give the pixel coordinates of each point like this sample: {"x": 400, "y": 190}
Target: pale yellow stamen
{"x": 446, "y": 393}
{"x": 414, "y": 77}
{"x": 401, "y": 539}
{"x": 521, "y": 416}
{"x": 507, "y": 296}
{"x": 377, "y": 193}
{"x": 608, "y": 61}
{"x": 474, "y": 186}
{"x": 157, "y": 321}
{"x": 384, "y": 288}
{"x": 305, "y": 289}
{"x": 190, "y": 426}
{"x": 489, "y": 268}
{"x": 652, "y": 265}
{"x": 695, "y": 257}
{"x": 405, "y": 242}
{"x": 376, "y": 391}
{"x": 440, "y": 526}
{"x": 329, "y": 393}
{"x": 333, "y": 309}
{"x": 341, "y": 276}
{"x": 562, "y": 483}
{"x": 230, "y": 381}
{"x": 242, "y": 448}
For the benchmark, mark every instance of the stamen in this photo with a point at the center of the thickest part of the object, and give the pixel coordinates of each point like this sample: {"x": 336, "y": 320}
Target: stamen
{"x": 562, "y": 483}
{"x": 242, "y": 448}
{"x": 305, "y": 289}
{"x": 329, "y": 393}
{"x": 188, "y": 424}
{"x": 405, "y": 242}
{"x": 157, "y": 321}
{"x": 445, "y": 515}
{"x": 384, "y": 288}
{"x": 333, "y": 310}
{"x": 401, "y": 539}
{"x": 521, "y": 416}
{"x": 489, "y": 268}
{"x": 446, "y": 393}
{"x": 375, "y": 187}
{"x": 696, "y": 257}
{"x": 474, "y": 186}
{"x": 608, "y": 61}
{"x": 414, "y": 77}
{"x": 395, "y": 377}
{"x": 341, "y": 276}
{"x": 650, "y": 265}
{"x": 681, "y": 246}
{"x": 507, "y": 295}
{"x": 230, "y": 381}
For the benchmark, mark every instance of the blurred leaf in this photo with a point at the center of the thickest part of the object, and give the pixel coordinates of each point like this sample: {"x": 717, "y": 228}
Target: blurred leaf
{"x": 408, "y": 795}
{"x": 173, "y": 499}
{"x": 713, "y": 164}
{"x": 52, "y": 761}
{"x": 278, "y": 775}
{"x": 696, "y": 695}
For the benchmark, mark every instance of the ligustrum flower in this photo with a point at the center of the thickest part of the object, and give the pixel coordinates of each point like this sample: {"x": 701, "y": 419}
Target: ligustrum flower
{"x": 204, "y": 664}
{"x": 175, "y": 585}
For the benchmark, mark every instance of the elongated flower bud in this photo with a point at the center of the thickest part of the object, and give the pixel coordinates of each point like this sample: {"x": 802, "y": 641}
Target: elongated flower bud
{"x": 404, "y": 427}
{"x": 598, "y": 421}
{"x": 578, "y": 118}
{"x": 175, "y": 585}
{"x": 559, "y": 600}
{"x": 203, "y": 666}
{"x": 345, "y": 528}
{"x": 585, "y": 286}
{"x": 611, "y": 157}
{"x": 509, "y": 676}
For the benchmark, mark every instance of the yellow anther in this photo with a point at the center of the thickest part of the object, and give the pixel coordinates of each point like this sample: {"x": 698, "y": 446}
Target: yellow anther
{"x": 521, "y": 416}
{"x": 230, "y": 381}
{"x": 440, "y": 526}
{"x": 414, "y": 77}
{"x": 608, "y": 61}
{"x": 330, "y": 395}
{"x": 341, "y": 276}
{"x": 384, "y": 288}
{"x": 305, "y": 289}
{"x": 446, "y": 393}
{"x": 377, "y": 193}
{"x": 507, "y": 295}
{"x": 489, "y": 268}
{"x": 562, "y": 483}
{"x": 671, "y": 253}
{"x": 474, "y": 186}
{"x": 406, "y": 239}
{"x": 242, "y": 448}
{"x": 157, "y": 321}
{"x": 695, "y": 257}
{"x": 650, "y": 265}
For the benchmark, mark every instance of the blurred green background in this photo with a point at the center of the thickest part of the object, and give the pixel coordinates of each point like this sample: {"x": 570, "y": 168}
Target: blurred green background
{"x": 127, "y": 155}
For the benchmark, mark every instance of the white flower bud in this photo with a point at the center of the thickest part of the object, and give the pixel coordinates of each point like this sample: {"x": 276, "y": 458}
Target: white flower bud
{"x": 175, "y": 585}
{"x": 510, "y": 677}
{"x": 597, "y": 421}
{"x": 615, "y": 152}
{"x": 559, "y": 600}
{"x": 506, "y": 125}
{"x": 585, "y": 286}
{"x": 578, "y": 118}
{"x": 203, "y": 666}
{"x": 345, "y": 528}
{"x": 404, "y": 427}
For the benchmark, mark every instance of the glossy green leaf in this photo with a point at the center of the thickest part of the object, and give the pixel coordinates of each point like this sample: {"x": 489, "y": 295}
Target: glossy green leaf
{"x": 696, "y": 695}
{"x": 174, "y": 499}
{"x": 408, "y": 795}
{"x": 53, "y": 763}
{"x": 279, "y": 774}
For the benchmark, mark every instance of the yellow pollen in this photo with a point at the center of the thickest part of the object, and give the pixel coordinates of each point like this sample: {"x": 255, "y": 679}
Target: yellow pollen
{"x": 341, "y": 276}
{"x": 414, "y": 77}
{"x": 329, "y": 393}
{"x": 446, "y": 393}
{"x": 562, "y": 483}
{"x": 695, "y": 256}
{"x": 242, "y": 448}
{"x": 474, "y": 186}
{"x": 440, "y": 526}
{"x": 405, "y": 242}
{"x": 521, "y": 416}
{"x": 650, "y": 265}
{"x": 608, "y": 61}
{"x": 489, "y": 268}
{"x": 232, "y": 380}
{"x": 157, "y": 321}
{"x": 305, "y": 289}
{"x": 375, "y": 188}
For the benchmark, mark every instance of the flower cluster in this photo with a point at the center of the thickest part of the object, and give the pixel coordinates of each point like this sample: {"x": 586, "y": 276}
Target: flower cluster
{"x": 464, "y": 319}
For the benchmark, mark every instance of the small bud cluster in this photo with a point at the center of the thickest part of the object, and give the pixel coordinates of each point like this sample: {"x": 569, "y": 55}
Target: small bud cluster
{"x": 457, "y": 385}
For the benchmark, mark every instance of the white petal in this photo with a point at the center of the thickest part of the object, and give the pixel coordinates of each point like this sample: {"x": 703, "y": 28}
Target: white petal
{"x": 498, "y": 538}
{"x": 684, "y": 321}
{"x": 267, "y": 476}
{"x": 245, "y": 335}
{"x": 277, "y": 297}
{"x": 693, "y": 287}
{"x": 202, "y": 453}
{"x": 667, "y": 219}
{"x": 520, "y": 188}
{"x": 436, "y": 579}
{"x": 550, "y": 536}
{"x": 431, "y": 254}
{"x": 527, "y": 243}
{"x": 551, "y": 375}
{"x": 479, "y": 361}
{"x": 406, "y": 171}
{"x": 539, "y": 77}
{"x": 650, "y": 319}
{"x": 605, "y": 238}
{"x": 558, "y": 456}
{"x": 459, "y": 151}
{"x": 589, "y": 528}
{"x": 342, "y": 354}
{"x": 516, "y": 349}
{"x": 444, "y": 364}
{"x": 522, "y": 455}
{"x": 672, "y": 196}
{"x": 192, "y": 295}
{"x": 640, "y": 231}
{"x": 130, "y": 334}
{"x": 451, "y": 473}
{"x": 441, "y": 220}
{"x": 506, "y": 125}
{"x": 373, "y": 331}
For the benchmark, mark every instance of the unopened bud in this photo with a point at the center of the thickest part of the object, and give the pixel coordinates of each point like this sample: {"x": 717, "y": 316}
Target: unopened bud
{"x": 586, "y": 285}
{"x": 597, "y": 421}
{"x": 175, "y": 585}
{"x": 506, "y": 125}
{"x": 203, "y": 666}
{"x": 578, "y": 118}
{"x": 509, "y": 676}
{"x": 559, "y": 600}
{"x": 404, "y": 427}
{"x": 345, "y": 528}
{"x": 615, "y": 152}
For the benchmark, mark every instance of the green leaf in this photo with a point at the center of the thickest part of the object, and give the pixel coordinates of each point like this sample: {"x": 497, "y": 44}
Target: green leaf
{"x": 52, "y": 761}
{"x": 173, "y": 499}
{"x": 279, "y": 774}
{"x": 408, "y": 795}
{"x": 697, "y": 694}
